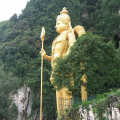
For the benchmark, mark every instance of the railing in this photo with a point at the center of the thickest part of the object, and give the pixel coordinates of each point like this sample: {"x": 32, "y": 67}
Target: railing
{"x": 79, "y": 100}
{"x": 65, "y": 103}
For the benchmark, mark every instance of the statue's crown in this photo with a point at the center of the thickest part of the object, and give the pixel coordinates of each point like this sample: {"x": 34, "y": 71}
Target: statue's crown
{"x": 64, "y": 11}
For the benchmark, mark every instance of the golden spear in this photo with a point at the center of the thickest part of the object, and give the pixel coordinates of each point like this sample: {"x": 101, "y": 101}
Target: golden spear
{"x": 42, "y": 39}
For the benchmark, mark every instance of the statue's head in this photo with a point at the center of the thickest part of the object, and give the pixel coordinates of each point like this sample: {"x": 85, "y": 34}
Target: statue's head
{"x": 63, "y": 21}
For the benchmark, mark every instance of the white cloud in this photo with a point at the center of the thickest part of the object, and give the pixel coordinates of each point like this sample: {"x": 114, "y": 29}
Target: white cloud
{"x": 9, "y": 7}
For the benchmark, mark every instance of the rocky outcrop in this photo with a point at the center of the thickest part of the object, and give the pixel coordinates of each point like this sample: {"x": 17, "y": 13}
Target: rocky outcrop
{"x": 85, "y": 14}
{"x": 23, "y": 101}
{"x": 112, "y": 111}
{"x": 119, "y": 12}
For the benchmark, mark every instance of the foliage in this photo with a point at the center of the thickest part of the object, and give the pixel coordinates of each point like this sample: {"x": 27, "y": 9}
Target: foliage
{"x": 14, "y": 18}
{"x": 118, "y": 52}
{"x": 20, "y": 45}
{"x": 99, "y": 106}
{"x": 8, "y": 83}
{"x": 49, "y": 97}
{"x": 72, "y": 113}
{"x": 99, "y": 63}
{"x": 102, "y": 16}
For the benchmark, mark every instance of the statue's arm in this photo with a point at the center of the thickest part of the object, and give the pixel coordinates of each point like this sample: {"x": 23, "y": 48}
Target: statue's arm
{"x": 47, "y": 57}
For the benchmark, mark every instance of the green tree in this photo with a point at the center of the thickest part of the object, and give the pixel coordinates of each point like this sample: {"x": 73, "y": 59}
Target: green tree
{"x": 14, "y": 18}
{"x": 49, "y": 97}
{"x": 100, "y": 62}
{"x": 8, "y": 83}
{"x": 20, "y": 40}
{"x": 27, "y": 49}
{"x": 118, "y": 52}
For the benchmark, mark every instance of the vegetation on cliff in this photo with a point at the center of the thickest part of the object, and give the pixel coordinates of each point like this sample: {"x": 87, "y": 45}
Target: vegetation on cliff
{"x": 20, "y": 45}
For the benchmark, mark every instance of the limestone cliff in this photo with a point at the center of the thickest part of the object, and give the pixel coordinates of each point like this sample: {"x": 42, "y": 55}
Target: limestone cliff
{"x": 111, "y": 112}
{"x": 23, "y": 101}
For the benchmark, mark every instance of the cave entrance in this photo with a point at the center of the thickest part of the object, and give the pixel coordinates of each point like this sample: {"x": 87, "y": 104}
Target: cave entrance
{"x": 116, "y": 39}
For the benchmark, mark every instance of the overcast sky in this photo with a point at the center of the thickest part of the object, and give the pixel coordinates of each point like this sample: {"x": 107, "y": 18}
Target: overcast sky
{"x": 9, "y": 7}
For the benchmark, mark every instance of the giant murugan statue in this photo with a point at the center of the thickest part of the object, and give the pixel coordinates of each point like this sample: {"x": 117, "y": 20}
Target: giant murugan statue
{"x": 61, "y": 47}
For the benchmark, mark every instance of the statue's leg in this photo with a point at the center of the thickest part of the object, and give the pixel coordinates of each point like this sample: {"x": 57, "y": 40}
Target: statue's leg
{"x": 83, "y": 89}
{"x": 59, "y": 102}
{"x": 66, "y": 99}
{"x": 58, "y": 98}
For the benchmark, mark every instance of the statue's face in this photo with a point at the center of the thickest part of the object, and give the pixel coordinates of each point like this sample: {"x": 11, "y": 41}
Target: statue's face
{"x": 60, "y": 26}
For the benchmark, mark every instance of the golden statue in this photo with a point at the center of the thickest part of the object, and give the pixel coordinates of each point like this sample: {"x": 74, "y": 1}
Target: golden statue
{"x": 61, "y": 47}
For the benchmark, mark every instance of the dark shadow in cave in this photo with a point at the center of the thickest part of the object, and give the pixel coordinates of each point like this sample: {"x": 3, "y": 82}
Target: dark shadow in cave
{"x": 117, "y": 39}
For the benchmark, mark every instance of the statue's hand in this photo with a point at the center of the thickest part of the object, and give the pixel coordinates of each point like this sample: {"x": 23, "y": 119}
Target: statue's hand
{"x": 43, "y": 53}
{"x": 54, "y": 59}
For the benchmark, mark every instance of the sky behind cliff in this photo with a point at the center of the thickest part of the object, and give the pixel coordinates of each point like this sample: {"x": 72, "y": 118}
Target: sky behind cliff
{"x": 9, "y": 7}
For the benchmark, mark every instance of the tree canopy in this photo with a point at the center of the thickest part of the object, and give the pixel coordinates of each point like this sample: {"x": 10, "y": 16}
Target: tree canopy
{"x": 8, "y": 83}
{"x": 89, "y": 55}
{"x": 20, "y": 45}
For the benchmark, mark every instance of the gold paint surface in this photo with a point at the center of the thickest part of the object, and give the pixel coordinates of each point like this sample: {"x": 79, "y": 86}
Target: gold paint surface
{"x": 61, "y": 47}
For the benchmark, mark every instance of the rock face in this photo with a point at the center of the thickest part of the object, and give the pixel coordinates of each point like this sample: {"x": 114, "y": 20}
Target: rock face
{"x": 23, "y": 101}
{"x": 85, "y": 14}
{"x": 111, "y": 113}
{"x": 119, "y": 12}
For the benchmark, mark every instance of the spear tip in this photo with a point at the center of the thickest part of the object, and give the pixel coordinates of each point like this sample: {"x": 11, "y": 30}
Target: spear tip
{"x": 42, "y": 33}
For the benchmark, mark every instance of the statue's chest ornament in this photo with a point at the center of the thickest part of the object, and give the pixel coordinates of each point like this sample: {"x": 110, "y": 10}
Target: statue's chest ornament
{"x": 57, "y": 40}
